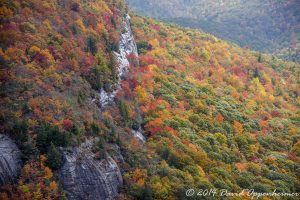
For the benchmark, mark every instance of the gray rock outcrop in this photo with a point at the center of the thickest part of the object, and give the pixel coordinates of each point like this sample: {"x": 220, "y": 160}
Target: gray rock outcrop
{"x": 127, "y": 46}
{"x": 84, "y": 177}
{"x": 10, "y": 160}
{"x": 139, "y": 135}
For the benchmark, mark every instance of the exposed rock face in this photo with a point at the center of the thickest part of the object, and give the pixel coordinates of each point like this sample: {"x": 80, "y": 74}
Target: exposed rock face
{"x": 84, "y": 177}
{"x": 10, "y": 160}
{"x": 139, "y": 135}
{"x": 117, "y": 154}
{"x": 127, "y": 47}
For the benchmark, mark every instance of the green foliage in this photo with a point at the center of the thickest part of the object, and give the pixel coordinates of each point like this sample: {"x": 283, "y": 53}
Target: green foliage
{"x": 146, "y": 194}
{"x": 51, "y": 134}
{"x": 263, "y": 188}
{"x": 19, "y": 132}
{"x": 28, "y": 27}
{"x": 296, "y": 149}
{"x": 124, "y": 110}
{"x": 91, "y": 44}
{"x": 95, "y": 128}
{"x": 74, "y": 29}
{"x": 54, "y": 158}
{"x": 103, "y": 74}
{"x": 142, "y": 46}
{"x": 28, "y": 149}
{"x": 111, "y": 45}
{"x": 102, "y": 147}
{"x": 80, "y": 98}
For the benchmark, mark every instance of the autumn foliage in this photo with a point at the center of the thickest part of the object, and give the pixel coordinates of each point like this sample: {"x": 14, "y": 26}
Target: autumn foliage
{"x": 214, "y": 115}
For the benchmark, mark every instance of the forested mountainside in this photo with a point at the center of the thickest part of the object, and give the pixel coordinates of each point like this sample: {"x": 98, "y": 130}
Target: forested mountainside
{"x": 268, "y": 26}
{"x": 94, "y": 119}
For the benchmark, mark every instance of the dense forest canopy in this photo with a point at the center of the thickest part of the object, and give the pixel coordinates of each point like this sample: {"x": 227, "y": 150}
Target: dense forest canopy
{"x": 268, "y": 26}
{"x": 214, "y": 115}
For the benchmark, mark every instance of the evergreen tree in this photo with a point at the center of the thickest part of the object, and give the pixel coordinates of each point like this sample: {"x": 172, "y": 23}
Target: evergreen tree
{"x": 54, "y": 158}
{"x": 92, "y": 45}
{"x": 42, "y": 140}
{"x": 124, "y": 110}
{"x": 27, "y": 149}
{"x": 147, "y": 194}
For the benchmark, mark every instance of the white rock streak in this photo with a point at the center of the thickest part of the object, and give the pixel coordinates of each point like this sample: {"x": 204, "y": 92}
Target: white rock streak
{"x": 138, "y": 135}
{"x": 127, "y": 47}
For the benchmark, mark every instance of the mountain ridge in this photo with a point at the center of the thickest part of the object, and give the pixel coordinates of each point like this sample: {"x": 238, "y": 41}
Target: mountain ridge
{"x": 271, "y": 27}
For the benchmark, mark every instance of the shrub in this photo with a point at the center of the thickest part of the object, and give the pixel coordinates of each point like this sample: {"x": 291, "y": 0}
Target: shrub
{"x": 28, "y": 27}
{"x": 296, "y": 149}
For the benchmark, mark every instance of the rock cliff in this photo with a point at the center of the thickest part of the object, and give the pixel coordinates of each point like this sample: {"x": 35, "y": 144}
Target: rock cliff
{"x": 84, "y": 177}
{"x": 10, "y": 160}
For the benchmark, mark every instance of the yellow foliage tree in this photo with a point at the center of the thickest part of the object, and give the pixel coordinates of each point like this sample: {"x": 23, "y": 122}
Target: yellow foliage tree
{"x": 238, "y": 127}
{"x": 256, "y": 86}
{"x": 48, "y": 173}
{"x": 5, "y": 12}
{"x": 53, "y": 186}
{"x": 154, "y": 43}
{"x": 37, "y": 195}
{"x": 141, "y": 94}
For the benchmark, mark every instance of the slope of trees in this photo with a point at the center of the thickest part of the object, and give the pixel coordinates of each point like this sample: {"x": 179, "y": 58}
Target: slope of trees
{"x": 217, "y": 116}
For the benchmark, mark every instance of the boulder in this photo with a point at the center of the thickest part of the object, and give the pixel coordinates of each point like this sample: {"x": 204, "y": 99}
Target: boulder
{"x": 85, "y": 177}
{"x": 10, "y": 160}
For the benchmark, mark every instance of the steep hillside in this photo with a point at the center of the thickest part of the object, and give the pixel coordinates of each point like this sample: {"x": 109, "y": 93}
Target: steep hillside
{"x": 217, "y": 116}
{"x": 269, "y": 26}
{"x": 95, "y": 119}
